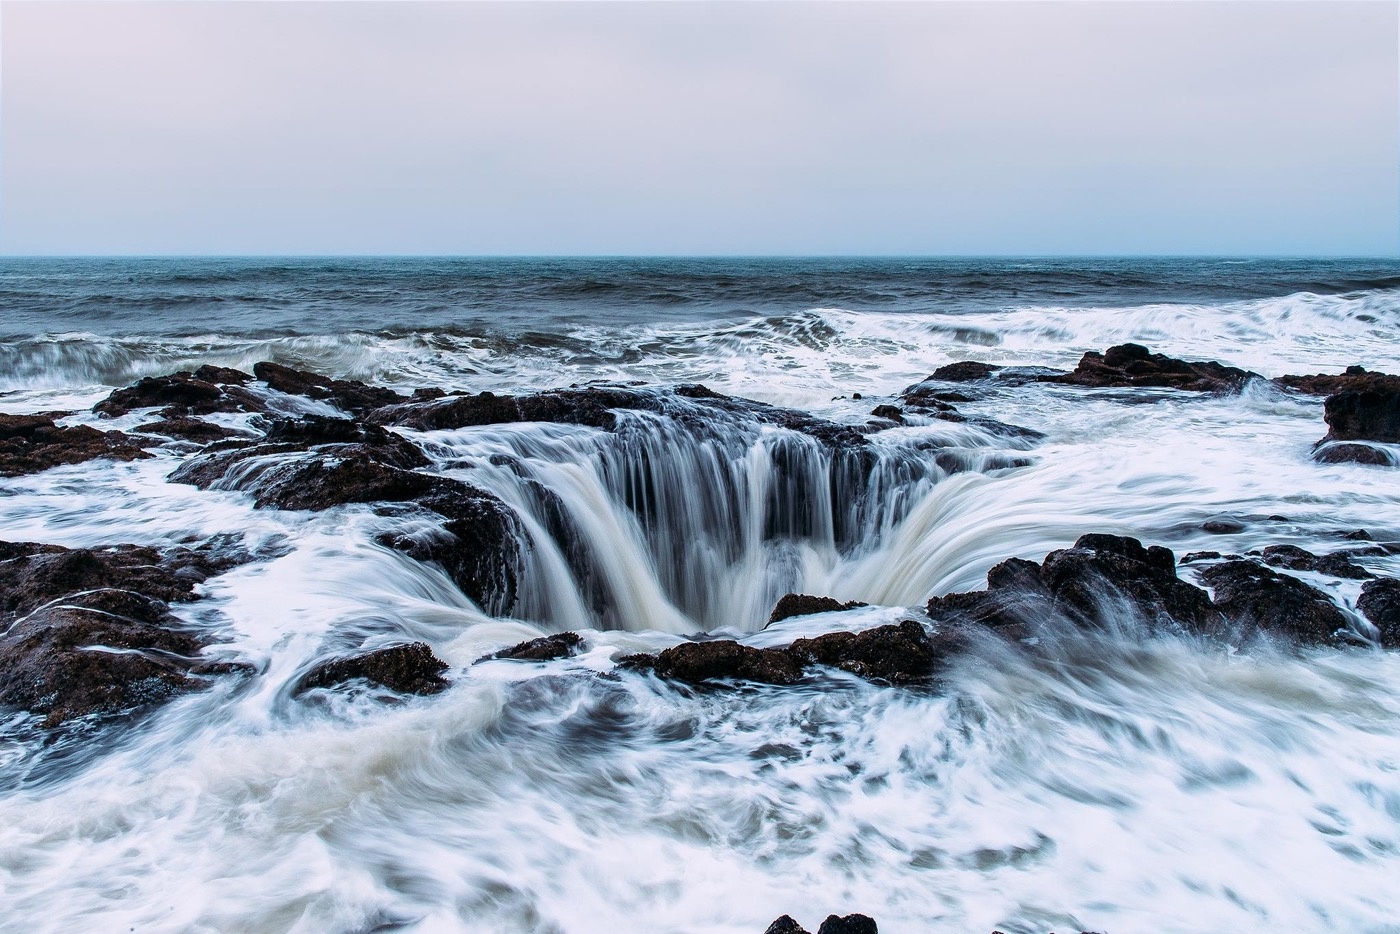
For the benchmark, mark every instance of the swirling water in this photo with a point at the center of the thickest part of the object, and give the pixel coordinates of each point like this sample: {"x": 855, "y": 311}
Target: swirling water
{"x": 1116, "y": 782}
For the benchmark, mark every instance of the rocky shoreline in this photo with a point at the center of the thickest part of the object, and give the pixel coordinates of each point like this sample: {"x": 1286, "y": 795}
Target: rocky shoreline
{"x": 89, "y": 631}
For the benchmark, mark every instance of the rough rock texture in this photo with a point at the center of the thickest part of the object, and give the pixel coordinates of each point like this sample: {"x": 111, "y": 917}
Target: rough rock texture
{"x": 349, "y": 395}
{"x": 89, "y": 630}
{"x": 1380, "y": 604}
{"x": 543, "y": 649}
{"x": 1252, "y": 593}
{"x": 1364, "y": 415}
{"x": 597, "y": 407}
{"x": 208, "y": 389}
{"x": 408, "y": 669}
{"x": 1355, "y": 378}
{"x": 184, "y": 428}
{"x": 801, "y": 604}
{"x": 1293, "y": 558}
{"x": 785, "y": 925}
{"x": 898, "y": 654}
{"x": 1090, "y": 583}
{"x": 850, "y": 924}
{"x": 31, "y": 443}
{"x": 319, "y": 463}
{"x": 1133, "y": 365}
{"x": 965, "y": 371}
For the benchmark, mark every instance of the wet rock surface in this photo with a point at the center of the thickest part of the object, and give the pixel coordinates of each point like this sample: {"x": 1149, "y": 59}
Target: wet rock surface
{"x": 1353, "y": 452}
{"x": 597, "y": 407}
{"x": 834, "y": 924}
{"x": 904, "y": 653}
{"x": 1278, "y": 603}
{"x": 184, "y": 428}
{"x": 348, "y": 395}
{"x": 407, "y": 669}
{"x": 1364, "y": 414}
{"x": 319, "y": 463}
{"x": 1293, "y": 558}
{"x": 90, "y": 632}
{"x": 543, "y": 649}
{"x": 205, "y": 391}
{"x": 1380, "y": 604}
{"x": 1356, "y": 378}
{"x": 31, "y": 443}
{"x": 801, "y": 604}
{"x": 1133, "y": 365}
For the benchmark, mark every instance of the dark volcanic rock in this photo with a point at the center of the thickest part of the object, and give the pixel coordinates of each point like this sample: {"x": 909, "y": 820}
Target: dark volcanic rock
{"x": 349, "y": 395}
{"x": 408, "y": 669}
{"x": 1354, "y": 379}
{"x": 850, "y": 924}
{"x": 965, "y": 371}
{"x": 597, "y": 407}
{"x": 1091, "y": 583}
{"x": 1380, "y": 603}
{"x": 1294, "y": 558}
{"x": 723, "y": 659}
{"x": 319, "y": 463}
{"x": 31, "y": 443}
{"x": 183, "y": 428}
{"x": 898, "y": 654}
{"x": 543, "y": 649}
{"x": 206, "y": 390}
{"x": 1352, "y": 452}
{"x": 785, "y": 925}
{"x": 89, "y": 630}
{"x": 1363, "y": 415}
{"x": 892, "y": 412}
{"x": 1133, "y": 365}
{"x": 1222, "y": 526}
{"x": 801, "y": 604}
{"x": 1252, "y": 593}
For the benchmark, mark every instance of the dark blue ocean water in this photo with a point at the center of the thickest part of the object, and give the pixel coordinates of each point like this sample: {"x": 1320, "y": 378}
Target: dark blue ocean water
{"x": 268, "y": 297}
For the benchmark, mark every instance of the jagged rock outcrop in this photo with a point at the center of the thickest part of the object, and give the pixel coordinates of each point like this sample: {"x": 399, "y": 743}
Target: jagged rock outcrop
{"x": 31, "y": 443}
{"x": 205, "y": 391}
{"x": 407, "y": 669}
{"x": 318, "y": 463}
{"x": 834, "y": 924}
{"x": 543, "y": 649}
{"x": 348, "y": 395}
{"x": 1134, "y": 366}
{"x": 1293, "y": 558}
{"x": 1380, "y": 604}
{"x": 1356, "y": 378}
{"x": 1278, "y": 603}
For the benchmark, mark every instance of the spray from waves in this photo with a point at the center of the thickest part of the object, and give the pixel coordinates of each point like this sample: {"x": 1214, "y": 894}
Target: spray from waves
{"x": 796, "y": 359}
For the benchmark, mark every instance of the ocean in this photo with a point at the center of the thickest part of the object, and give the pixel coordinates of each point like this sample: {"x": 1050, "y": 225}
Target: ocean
{"x": 1121, "y": 779}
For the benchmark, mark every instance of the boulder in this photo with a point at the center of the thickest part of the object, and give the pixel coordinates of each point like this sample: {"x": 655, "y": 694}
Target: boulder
{"x": 1134, "y": 366}
{"x": 89, "y": 631}
{"x": 1363, "y": 415}
{"x": 207, "y": 390}
{"x": 801, "y": 604}
{"x": 407, "y": 669}
{"x": 348, "y": 395}
{"x": 1252, "y": 593}
{"x": 1353, "y": 452}
{"x": 720, "y": 660}
{"x": 1293, "y": 558}
{"x": 850, "y": 924}
{"x": 543, "y": 649}
{"x": 1380, "y": 604}
{"x": 31, "y": 443}
{"x": 965, "y": 371}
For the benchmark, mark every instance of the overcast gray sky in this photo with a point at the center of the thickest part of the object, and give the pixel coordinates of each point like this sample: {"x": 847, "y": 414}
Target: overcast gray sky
{"x": 679, "y": 128}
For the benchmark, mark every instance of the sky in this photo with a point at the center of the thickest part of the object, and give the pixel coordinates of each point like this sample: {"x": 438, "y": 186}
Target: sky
{"x": 670, "y": 128}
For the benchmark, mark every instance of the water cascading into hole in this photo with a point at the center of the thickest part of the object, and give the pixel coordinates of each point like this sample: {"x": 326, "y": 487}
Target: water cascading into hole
{"x": 660, "y": 526}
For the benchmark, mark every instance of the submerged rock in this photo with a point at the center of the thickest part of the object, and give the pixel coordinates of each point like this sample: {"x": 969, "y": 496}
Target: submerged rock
{"x": 1353, "y": 452}
{"x": 207, "y": 390}
{"x": 90, "y": 631}
{"x": 1133, "y": 365}
{"x": 801, "y": 604}
{"x": 31, "y": 443}
{"x": 407, "y": 669}
{"x": 348, "y": 395}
